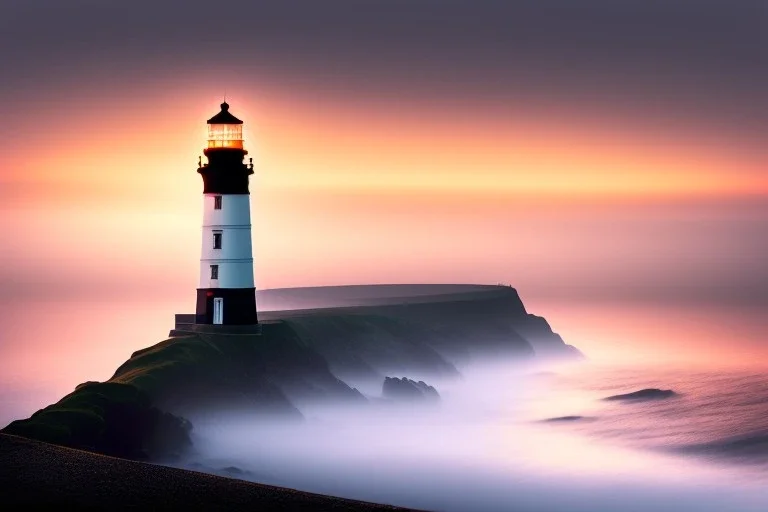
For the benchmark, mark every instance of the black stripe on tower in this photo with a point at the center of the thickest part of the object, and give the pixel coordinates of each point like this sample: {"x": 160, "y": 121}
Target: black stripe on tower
{"x": 225, "y": 172}
{"x": 239, "y": 305}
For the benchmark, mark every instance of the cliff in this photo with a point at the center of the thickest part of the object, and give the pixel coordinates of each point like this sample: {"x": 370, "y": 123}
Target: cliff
{"x": 431, "y": 331}
{"x": 300, "y": 357}
{"x": 142, "y": 412}
{"x": 203, "y": 375}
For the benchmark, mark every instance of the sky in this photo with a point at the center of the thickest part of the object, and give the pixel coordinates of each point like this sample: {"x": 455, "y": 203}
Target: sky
{"x": 605, "y": 152}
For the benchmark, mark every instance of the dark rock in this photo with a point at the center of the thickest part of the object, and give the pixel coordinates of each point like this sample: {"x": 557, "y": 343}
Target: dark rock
{"x": 644, "y": 394}
{"x": 407, "y": 389}
{"x": 564, "y": 419}
{"x": 545, "y": 342}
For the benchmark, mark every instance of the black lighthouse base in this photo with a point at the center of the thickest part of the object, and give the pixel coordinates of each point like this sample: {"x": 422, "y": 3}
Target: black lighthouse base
{"x": 238, "y": 306}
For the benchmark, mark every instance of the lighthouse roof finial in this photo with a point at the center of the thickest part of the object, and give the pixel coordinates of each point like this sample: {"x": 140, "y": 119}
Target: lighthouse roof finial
{"x": 224, "y": 117}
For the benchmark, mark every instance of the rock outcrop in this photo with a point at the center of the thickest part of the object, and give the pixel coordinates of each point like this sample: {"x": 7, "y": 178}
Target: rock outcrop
{"x": 643, "y": 394}
{"x": 407, "y": 389}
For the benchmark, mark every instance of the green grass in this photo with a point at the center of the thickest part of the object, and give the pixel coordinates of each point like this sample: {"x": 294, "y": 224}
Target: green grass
{"x": 107, "y": 417}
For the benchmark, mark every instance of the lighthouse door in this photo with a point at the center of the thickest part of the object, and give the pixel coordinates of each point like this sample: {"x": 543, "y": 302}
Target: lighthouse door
{"x": 218, "y": 311}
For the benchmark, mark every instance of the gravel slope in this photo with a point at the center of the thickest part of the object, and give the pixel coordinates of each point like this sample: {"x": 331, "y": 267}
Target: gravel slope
{"x": 32, "y": 472}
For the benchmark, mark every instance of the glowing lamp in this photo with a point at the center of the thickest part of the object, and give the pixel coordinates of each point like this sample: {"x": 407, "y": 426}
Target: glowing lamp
{"x": 225, "y": 131}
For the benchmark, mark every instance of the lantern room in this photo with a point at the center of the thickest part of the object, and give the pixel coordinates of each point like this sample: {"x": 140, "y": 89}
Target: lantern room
{"x": 225, "y": 131}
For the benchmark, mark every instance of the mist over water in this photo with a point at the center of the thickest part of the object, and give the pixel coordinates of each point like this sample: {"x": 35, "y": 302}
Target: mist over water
{"x": 486, "y": 446}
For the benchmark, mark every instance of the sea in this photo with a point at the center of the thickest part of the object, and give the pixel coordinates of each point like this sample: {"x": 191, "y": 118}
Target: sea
{"x": 715, "y": 417}
{"x": 504, "y": 437}
{"x": 515, "y": 438}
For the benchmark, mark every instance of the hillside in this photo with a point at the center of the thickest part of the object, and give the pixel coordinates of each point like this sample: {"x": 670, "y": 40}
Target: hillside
{"x": 142, "y": 411}
{"x": 301, "y": 357}
{"x": 35, "y": 473}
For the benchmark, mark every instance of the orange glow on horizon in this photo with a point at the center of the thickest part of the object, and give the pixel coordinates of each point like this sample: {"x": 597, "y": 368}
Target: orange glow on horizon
{"x": 338, "y": 150}
{"x": 345, "y": 195}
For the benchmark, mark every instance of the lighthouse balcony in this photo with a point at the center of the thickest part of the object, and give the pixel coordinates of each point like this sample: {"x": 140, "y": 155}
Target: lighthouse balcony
{"x": 185, "y": 325}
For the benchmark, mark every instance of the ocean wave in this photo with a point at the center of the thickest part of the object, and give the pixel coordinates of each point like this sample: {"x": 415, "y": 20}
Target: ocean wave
{"x": 752, "y": 446}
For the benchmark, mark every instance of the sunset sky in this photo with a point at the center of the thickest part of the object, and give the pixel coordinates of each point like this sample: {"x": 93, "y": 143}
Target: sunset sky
{"x": 602, "y": 151}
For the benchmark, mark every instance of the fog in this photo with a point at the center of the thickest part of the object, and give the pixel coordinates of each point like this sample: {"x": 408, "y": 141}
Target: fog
{"x": 483, "y": 447}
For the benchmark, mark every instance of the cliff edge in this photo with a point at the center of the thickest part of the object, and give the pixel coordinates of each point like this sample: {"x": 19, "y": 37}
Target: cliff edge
{"x": 302, "y": 356}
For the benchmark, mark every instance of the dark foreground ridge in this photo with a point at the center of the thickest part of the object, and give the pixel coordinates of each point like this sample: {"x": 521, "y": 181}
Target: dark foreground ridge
{"x": 35, "y": 473}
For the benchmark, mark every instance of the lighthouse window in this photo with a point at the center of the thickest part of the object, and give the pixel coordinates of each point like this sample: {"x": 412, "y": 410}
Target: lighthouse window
{"x": 214, "y": 271}
{"x": 217, "y": 202}
{"x": 217, "y": 240}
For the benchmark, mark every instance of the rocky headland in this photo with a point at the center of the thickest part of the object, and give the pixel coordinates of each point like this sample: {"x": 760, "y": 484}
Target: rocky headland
{"x": 147, "y": 410}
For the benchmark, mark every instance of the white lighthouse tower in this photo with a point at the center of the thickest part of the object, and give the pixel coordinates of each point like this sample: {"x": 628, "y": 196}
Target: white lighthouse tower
{"x": 226, "y": 294}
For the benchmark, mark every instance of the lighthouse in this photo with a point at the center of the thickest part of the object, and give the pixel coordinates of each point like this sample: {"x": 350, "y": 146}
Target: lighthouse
{"x": 226, "y": 294}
